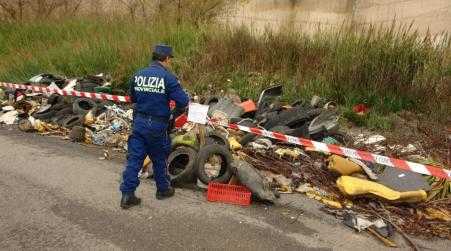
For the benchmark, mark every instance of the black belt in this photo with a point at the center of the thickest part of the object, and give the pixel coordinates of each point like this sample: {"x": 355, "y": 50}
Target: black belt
{"x": 153, "y": 118}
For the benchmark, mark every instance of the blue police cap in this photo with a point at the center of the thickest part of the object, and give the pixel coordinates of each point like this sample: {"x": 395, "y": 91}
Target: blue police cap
{"x": 163, "y": 50}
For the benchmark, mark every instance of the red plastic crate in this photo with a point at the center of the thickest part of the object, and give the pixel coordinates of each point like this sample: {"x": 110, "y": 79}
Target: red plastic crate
{"x": 238, "y": 195}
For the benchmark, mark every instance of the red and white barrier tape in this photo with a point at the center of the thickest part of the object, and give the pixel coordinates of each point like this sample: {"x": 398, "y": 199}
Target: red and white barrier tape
{"x": 92, "y": 95}
{"x": 317, "y": 146}
{"x": 357, "y": 154}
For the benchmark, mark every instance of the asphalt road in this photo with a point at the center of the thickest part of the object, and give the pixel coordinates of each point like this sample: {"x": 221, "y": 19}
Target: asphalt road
{"x": 60, "y": 195}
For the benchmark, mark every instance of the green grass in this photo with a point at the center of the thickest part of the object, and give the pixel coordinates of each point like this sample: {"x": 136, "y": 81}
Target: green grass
{"x": 82, "y": 46}
{"x": 390, "y": 70}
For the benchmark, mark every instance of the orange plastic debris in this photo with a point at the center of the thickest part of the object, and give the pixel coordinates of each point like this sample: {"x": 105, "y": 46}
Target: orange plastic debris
{"x": 248, "y": 106}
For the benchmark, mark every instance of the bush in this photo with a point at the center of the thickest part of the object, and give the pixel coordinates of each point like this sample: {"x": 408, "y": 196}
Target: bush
{"x": 388, "y": 69}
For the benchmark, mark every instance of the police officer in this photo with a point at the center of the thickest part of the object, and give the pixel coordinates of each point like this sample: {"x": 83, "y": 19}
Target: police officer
{"x": 151, "y": 89}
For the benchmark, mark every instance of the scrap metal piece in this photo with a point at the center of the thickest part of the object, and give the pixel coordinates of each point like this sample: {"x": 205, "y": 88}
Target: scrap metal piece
{"x": 327, "y": 121}
{"x": 253, "y": 180}
{"x": 357, "y": 222}
{"x": 296, "y": 117}
{"x": 403, "y": 181}
{"x": 267, "y": 96}
{"x": 228, "y": 107}
{"x": 365, "y": 168}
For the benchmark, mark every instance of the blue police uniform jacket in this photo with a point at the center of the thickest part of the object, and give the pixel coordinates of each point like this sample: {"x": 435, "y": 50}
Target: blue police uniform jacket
{"x": 152, "y": 88}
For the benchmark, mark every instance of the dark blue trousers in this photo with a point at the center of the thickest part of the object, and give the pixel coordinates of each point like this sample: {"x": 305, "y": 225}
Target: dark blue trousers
{"x": 148, "y": 138}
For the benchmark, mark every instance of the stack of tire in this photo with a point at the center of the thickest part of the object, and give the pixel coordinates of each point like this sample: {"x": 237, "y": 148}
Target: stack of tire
{"x": 187, "y": 164}
{"x": 65, "y": 114}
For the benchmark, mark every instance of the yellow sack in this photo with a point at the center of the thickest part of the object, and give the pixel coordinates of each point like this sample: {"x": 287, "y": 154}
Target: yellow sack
{"x": 89, "y": 118}
{"x": 292, "y": 153}
{"x": 343, "y": 166}
{"x": 39, "y": 126}
{"x": 351, "y": 186}
{"x": 187, "y": 139}
{"x": 234, "y": 144}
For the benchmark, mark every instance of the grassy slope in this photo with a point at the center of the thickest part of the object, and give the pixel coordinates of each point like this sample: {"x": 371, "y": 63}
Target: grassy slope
{"x": 83, "y": 46}
{"x": 390, "y": 70}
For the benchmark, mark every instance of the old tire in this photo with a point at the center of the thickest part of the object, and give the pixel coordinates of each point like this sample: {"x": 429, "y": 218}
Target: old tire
{"x": 181, "y": 165}
{"x": 204, "y": 155}
{"x": 71, "y": 121}
{"x": 64, "y": 112}
{"x": 46, "y": 115}
{"x": 214, "y": 137}
{"x": 61, "y": 114}
{"x": 86, "y": 86}
{"x": 59, "y": 106}
{"x": 55, "y": 99}
{"x": 84, "y": 105}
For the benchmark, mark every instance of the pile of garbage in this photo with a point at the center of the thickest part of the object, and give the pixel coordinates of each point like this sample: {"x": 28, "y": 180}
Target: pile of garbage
{"x": 386, "y": 199}
{"x": 96, "y": 122}
{"x": 366, "y": 196}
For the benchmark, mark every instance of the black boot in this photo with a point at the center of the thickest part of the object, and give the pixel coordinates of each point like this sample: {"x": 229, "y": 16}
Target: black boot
{"x": 161, "y": 195}
{"x": 129, "y": 200}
